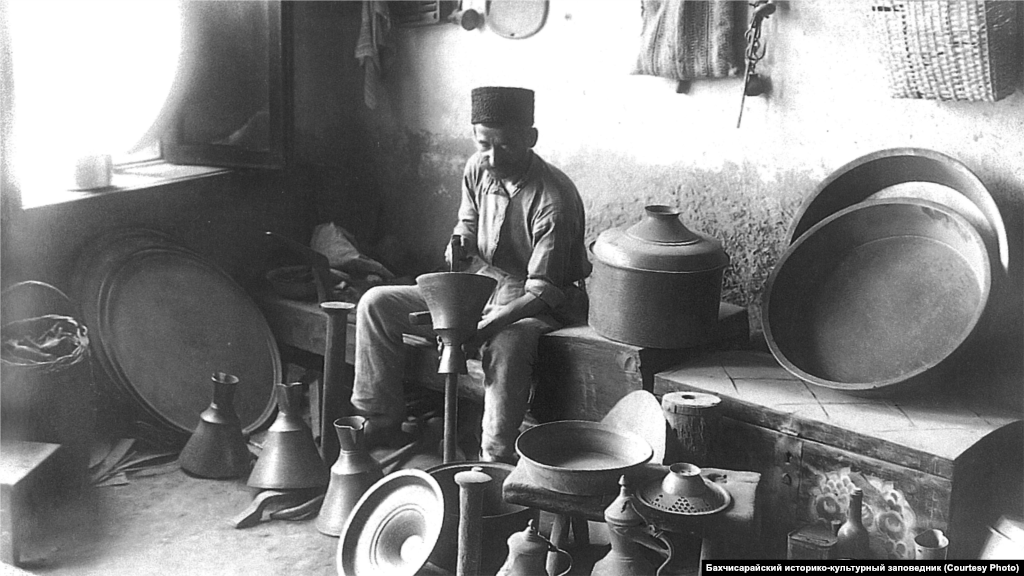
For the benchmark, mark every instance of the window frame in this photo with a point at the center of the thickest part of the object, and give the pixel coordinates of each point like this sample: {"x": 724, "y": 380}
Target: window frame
{"x": 176, "y": 151}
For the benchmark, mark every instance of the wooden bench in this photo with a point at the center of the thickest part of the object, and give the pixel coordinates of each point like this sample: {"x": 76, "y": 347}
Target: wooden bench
{"x": 580, "y": 374}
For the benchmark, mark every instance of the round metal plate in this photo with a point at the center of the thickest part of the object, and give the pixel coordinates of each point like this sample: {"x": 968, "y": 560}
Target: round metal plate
{"x": 162, "y": 319}
{"x": 916, "y": 173}
{"x": 393, "y": 527}
{"x": 516, "y": 19}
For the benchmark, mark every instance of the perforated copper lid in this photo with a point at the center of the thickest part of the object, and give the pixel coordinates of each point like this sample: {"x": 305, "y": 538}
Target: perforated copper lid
{"x": 683, "y": 491}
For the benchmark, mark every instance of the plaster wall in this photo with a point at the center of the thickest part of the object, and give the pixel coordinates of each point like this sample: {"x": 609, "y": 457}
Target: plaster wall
{"x": 630, "y": 140}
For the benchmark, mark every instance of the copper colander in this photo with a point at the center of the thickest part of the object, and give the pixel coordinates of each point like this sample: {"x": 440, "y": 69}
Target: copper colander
{"x": 684, "y": 492}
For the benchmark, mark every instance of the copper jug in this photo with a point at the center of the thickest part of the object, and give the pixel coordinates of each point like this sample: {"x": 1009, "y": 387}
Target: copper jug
{"x": 217, "y": 448}
{"x": 528, "y": 553}
{"x": 289, "y": 459}
{"x": 353, "y": 472}
{"x": 628, "y": 533}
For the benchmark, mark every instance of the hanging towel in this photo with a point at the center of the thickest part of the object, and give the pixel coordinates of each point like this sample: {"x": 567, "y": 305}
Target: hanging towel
{"x": 375, "y": 37}
{"x": 691, "y": 39}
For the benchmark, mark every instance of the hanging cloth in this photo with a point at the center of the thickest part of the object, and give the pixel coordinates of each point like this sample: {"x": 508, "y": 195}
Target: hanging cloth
{"x": 691, "y": 39}
{"x": 375, "y": 37}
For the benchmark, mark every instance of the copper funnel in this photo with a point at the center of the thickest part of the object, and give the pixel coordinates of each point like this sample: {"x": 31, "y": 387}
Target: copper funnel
{"x": 456, "y": 301}
{"x": 217, "y": 448}
{"x": 290, "y": 459}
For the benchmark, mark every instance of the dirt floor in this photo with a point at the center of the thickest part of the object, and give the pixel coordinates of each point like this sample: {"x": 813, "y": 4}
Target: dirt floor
{"x": 165, "y": 522}
{"x": 173, "y": 524}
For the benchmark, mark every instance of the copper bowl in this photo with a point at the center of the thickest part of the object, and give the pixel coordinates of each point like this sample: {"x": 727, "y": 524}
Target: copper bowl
{"x": 877, "y": 297}
{"x": 580, "y": 457}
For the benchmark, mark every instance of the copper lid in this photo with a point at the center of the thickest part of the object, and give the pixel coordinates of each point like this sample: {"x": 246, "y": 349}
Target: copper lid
{"x": 660, "y": 243}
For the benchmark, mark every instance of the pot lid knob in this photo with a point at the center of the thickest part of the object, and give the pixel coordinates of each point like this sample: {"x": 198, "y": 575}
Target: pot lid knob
{"x": 660, "y": 242}
{"x": 621, "y": 511}
{"x": 528, "y": 541}
{"x": 661, "y": 225}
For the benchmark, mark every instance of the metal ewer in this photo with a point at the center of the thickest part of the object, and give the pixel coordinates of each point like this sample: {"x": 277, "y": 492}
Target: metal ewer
{"x": 351, "y": 475}
{"x": 217, "y": 448}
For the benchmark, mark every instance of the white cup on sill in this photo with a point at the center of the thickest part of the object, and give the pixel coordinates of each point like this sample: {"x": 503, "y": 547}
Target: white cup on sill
{"x": 93, "y": 171}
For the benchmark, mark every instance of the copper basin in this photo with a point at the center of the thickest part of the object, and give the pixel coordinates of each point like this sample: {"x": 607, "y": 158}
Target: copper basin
{"x": 878, "y": 296}
{"x": 580, "y": 457}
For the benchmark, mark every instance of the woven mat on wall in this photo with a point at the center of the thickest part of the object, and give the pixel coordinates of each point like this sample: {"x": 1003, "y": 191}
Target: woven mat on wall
{"x": 691, "y": 39}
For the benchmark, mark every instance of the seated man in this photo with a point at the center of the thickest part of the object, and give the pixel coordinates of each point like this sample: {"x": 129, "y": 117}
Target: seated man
{"x": 522, "y": 223}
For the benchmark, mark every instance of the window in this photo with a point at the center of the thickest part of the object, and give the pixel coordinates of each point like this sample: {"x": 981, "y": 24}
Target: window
{"x": 232, "y": 106}
{"x": 89, "y": 78}
{"x": 188, "y": 82}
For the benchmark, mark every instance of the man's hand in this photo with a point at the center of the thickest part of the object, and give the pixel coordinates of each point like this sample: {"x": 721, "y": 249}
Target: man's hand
{"x": 466, "y": 255}
{"x": 493, "y": 322}
{"x": 486, "y": 328}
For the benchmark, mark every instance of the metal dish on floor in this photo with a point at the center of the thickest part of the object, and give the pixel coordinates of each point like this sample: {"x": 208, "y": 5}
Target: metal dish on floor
{"x": 580, "y": 457}
{"x": 162, "y": 319}
{"x": 393, "y": 527}
{"x": 877, "y": 296}
{"x": 908, "y": 173}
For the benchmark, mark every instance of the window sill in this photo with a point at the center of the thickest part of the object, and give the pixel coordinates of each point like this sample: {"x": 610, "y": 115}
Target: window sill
{"x": 125, "y": 178}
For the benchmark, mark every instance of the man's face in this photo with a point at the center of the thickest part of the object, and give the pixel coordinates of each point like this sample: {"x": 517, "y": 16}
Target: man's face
{"x": 505, "y": 149}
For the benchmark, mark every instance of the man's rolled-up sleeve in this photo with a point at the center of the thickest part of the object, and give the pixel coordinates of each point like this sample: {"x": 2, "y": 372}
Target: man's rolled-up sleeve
{"x": 468, "y": 211}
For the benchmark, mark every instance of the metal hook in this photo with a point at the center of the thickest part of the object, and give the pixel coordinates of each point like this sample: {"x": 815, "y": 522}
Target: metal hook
{"x": 754, "y": 51}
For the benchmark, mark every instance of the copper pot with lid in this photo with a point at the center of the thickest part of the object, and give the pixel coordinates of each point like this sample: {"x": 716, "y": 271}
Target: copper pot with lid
{"x": 656, "y": 283}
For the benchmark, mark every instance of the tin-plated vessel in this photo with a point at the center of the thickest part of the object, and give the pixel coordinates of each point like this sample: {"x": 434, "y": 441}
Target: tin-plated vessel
{"x": 290, "y": 459}
{"x": 657, "y": 283}
{"x": 351, "y": 475}
{"x": 217, "y": 448}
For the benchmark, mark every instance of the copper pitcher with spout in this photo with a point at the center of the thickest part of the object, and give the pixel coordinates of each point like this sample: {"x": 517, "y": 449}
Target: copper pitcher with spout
{"x": 351, "y": 475}
{"x": 528, "y": 554}
{"x": 629, "y": 537}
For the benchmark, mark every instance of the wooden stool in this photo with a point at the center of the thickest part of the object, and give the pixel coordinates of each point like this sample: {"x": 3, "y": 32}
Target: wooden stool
{"x": 735, "y": 532}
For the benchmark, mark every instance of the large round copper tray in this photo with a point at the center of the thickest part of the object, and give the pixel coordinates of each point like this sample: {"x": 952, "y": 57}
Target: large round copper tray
{"x": 878, "y": 296}
{"x": 163, "y": 319}
{"x": 916, "y": 173}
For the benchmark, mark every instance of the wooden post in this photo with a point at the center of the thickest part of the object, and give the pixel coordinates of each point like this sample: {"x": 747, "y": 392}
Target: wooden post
{"x": 334, "y": 397}
{"x": 471, "y": 507}
{"x": 696, "y": 424}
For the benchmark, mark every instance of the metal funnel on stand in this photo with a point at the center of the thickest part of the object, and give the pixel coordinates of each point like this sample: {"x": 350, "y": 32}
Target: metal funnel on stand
{"x": 456, "y": 301}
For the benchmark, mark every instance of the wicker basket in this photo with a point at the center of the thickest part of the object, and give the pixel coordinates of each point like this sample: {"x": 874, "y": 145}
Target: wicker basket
{"x": 949, "y": 49}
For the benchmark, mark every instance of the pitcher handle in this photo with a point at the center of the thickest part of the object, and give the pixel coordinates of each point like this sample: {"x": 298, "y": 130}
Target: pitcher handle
{"x": 557, "y": 550}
